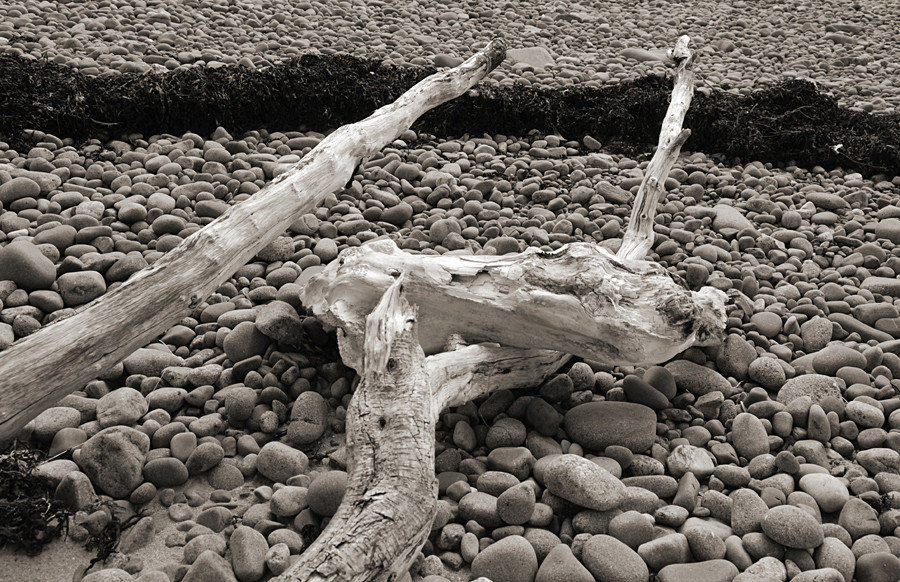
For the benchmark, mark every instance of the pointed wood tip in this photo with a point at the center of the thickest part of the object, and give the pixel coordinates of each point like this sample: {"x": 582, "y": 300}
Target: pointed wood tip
{"x": 495, "y": 51}
{"x": 392, "y": 318}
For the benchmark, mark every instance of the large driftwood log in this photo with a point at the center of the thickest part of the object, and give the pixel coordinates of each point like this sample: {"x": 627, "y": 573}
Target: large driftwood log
{"x": 391, "y": 492}
{"x": 37, "y": 371}
{"x": 580, "y": 299}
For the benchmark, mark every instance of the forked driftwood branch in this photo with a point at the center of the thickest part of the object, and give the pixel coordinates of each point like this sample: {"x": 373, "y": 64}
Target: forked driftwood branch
{"x": 578, "y": 300}
{"x": 36, "y": 371}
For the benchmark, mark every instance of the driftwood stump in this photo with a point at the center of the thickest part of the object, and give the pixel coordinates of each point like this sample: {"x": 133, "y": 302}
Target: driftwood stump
{"x": 391, "y": 494}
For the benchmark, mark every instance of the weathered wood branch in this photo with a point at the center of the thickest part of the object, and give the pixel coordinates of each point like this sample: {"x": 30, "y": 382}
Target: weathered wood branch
{"x": 391, "y": 496}
{"x": 581, "y": 300}
{"x": 638, "y": 238}
{"x": 37, "y": 371}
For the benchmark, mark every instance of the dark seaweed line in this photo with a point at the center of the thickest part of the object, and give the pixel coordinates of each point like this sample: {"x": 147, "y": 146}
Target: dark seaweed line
{"x": 790, "y": 121}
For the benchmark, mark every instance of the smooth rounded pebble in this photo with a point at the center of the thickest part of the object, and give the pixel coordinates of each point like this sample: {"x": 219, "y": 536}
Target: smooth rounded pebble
{"x": 561, "y": 565}
{"x": 832, "y": 358}
{"x": 749, "y": 436}
{"x": 25, "y": 265}
{"x": 150, "y": 362}
{"x": 878, "y": 567}
{"x": 480, "y": 507}
{"x": 108, "y": 575}
{"x": 828, "y": 491}
{"x": 516, "y": 505}
{"x": 696, "y": 379}
{"x": 632, "y": 528}
{"x": 690, "y": 459}
{"x": 792, "y": 527}
{"x": 879, "y": 459}
{"x": 665, "y": 550}
{"x": 166, "y": 472}
{"x": 833, "y": 553}
{"x": 309, "y": 419}
{"x": 48, "y": 423}
{"x": 114, "y": 460}
{"x": 708, "y": 571}
{"x": 245, "y": 341}
{"x": 609, "y": 559}
{"x": 326, "y": 491}
{"x": 279, "y": 462}
{"x": 210, "y": 567}
{"x": 123, "y": 406}
{"x": 79, "y": 288}
{"x": 512, "y": 559}
{"x": 289, "y": 501}
{"x": 248, "y": 554}
{"x": 816, "y": 386}
{"x": 203, "y": 458}
{"x": 584, "y": 483}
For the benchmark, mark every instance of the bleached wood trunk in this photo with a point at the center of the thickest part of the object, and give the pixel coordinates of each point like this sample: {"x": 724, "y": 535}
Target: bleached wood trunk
{"x": 36, "y": 371}
{"x": 580, "y": 299}
{"x": 391, "y": 493}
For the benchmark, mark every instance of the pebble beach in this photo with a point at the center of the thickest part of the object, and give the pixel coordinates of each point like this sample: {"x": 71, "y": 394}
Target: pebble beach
{"x": 774, "y": 456}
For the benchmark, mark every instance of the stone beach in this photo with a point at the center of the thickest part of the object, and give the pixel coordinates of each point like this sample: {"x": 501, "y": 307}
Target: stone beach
{"x": 774, "y": 456}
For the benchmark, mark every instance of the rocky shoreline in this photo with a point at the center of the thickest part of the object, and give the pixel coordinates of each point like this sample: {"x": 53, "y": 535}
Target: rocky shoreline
{"x": 772, "y": 457}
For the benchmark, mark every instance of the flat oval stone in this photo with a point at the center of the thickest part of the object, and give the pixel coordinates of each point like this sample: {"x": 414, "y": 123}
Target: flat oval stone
{"x": 697, "y": 379}
{"x": 707, "y": 571}
{"x": 792, "y": 527}
{"x": 597, "y": 425}
{"x": 24, "y": 264}
{"x": 828, "y": 491}
{"x": 166, "y": 472}
{"x": 749, "y": 436}
{"x": 584, "y": 483}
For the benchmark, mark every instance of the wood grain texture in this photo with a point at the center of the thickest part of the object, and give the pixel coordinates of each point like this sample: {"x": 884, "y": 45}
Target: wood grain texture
{"x": 391, "y": 496}
{"x": 580, "y": 300}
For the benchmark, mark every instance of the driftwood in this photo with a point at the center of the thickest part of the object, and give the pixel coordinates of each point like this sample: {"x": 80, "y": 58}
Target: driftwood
{"x": 36, "y": 371}
{"x": 638, "y": 237}
{"x": 581, "y": 300}
{"x": 391, "y": 493}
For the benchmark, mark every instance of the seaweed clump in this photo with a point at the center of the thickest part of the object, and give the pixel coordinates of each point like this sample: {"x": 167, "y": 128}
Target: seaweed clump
{"x": 792, "y": 121}
{"x": 31, "y": 517}
{"x": 106, "y": 541}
